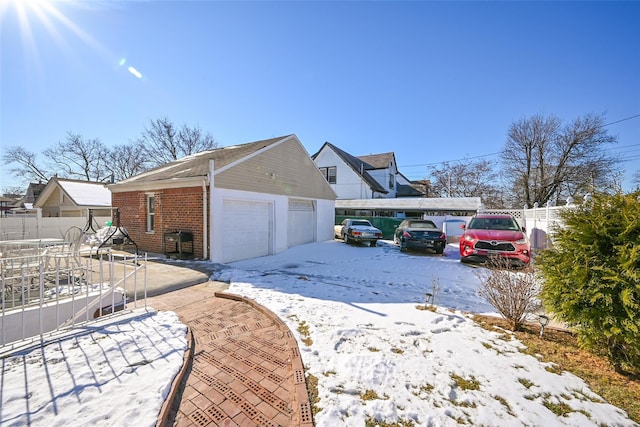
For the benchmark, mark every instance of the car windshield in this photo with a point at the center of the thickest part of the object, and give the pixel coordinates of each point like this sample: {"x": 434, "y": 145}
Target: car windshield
{"x": 360, "y": 223}
{"x": 494, "y": 224}
{"x": 422, "y": 224}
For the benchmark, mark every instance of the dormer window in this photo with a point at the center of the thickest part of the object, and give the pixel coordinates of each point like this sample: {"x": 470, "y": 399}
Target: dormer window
{"x": 391, "y": 182}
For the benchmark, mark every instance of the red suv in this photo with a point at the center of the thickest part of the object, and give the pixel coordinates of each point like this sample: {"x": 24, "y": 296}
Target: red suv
{"x": 491, "y": 235}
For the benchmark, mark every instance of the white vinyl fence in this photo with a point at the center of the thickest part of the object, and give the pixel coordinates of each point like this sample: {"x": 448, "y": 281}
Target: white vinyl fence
{"x": 538, "y": 222}
{"x": 37, "y": 227}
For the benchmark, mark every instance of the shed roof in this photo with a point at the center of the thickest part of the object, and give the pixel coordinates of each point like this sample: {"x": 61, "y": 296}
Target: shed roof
{"x": 449, "y": 204}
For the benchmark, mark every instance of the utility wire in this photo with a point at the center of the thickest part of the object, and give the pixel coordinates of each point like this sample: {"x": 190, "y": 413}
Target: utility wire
{"x": 493, "y": 154}
{"x": 622, "y": 120}
{"x": 446, "y": 161}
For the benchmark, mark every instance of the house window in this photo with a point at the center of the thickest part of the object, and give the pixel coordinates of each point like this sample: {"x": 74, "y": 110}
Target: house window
{"x": 151, "y": 212}
{"x": 329, "y": 174}
{"x": 391, "y": 182}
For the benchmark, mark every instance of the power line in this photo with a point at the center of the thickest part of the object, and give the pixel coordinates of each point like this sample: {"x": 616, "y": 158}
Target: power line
{"x": 493, "y": 154}
{"x": 622, "y": 120}
{"x": 446, "y": 161}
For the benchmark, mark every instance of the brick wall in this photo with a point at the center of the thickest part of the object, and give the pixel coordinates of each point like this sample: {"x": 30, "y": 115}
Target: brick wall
{"x": 175, "y": 209}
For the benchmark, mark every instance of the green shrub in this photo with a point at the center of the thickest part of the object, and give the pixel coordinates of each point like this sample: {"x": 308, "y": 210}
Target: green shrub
{"x": 592, "y": 276}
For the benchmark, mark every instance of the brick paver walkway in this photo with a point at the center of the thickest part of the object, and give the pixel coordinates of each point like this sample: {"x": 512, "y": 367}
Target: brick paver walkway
{"x": 246, "y": 368}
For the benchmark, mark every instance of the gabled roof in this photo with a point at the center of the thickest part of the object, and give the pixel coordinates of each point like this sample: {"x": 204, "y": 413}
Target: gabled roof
{"x": 379, "y": 161}
{"x": 197, "y": 165}
{"x": 407, "y": 188}
{"x": 403, "y": 190}
{"x": 33, "y": 191}
{"x": 359, "y": 167}
{"x": 81, "y": 193}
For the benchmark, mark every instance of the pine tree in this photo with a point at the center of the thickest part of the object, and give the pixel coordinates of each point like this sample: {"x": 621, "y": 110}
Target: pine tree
{"x": 591, "y": 276}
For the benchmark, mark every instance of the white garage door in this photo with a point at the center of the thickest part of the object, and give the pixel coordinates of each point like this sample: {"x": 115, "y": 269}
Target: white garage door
{"x": 302, "y": 222}
{"x": 247, "y": 229}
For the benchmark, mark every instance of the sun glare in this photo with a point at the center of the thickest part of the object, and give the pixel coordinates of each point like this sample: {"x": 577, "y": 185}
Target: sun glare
{"x": 33, "y": 15}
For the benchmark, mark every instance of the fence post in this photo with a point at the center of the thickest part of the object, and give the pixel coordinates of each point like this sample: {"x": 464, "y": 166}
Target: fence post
{"x": 38, "y": 222}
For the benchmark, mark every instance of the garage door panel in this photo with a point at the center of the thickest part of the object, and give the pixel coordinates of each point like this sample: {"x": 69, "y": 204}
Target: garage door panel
{"x": 302, "y": 222}
{"x": 247, "y": 229}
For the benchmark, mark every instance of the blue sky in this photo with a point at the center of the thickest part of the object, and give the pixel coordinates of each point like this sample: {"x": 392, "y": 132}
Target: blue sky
{"x": 430, "y": 81}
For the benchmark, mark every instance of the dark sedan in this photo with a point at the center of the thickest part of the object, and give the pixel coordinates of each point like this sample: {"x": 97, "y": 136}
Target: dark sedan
{"x": 419, "y": 234}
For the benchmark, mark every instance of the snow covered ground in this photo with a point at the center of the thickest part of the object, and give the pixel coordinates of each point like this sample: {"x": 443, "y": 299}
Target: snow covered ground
{"x": 375, "y": 353}
{"x": 378, "y": 356}
{"x": 111, "y": 373}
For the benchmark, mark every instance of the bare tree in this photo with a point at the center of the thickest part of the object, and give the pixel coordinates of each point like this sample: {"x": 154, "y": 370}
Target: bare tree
{"x": 467, "y": 179}
{"x": 80, "y": 158}
{"x": 636, "y": 178}
{"x": 127, "y": 160}
{"x": 27, "y": 166}
{"x": 547, "y": 160}
{"x": 164, "y": 143}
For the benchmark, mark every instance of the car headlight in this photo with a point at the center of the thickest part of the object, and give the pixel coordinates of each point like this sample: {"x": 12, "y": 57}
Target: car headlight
{"x": 522, "y": 241}
{"x": 468, "y": 238}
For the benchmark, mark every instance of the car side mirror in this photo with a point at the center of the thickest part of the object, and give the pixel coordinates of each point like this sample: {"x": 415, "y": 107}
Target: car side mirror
{"x": 524, "y": 229}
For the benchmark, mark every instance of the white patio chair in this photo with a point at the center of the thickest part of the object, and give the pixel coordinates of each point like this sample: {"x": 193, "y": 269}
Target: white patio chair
{"x": 65, "y": 259}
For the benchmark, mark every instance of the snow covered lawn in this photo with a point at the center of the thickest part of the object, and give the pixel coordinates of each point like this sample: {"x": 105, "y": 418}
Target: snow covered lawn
{"x": 358, "y": 313}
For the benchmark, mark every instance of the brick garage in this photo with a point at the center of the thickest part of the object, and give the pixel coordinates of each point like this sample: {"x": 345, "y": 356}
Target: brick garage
{"x": 175, "y": 209}
{"x": 239, "y": 202}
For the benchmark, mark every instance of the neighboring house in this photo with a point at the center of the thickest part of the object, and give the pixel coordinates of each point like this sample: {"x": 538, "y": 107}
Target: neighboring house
{"x": 63, "y": 197}
{"x": 33, "y": 191}
{"x": 372, "y": 186}
{"x": 406, "y": 188}
{"x": 5, "y": 205}
{"x": 365, "y": 177}
{"x": 347, "y": 175}
{"x": 236, "y": 202}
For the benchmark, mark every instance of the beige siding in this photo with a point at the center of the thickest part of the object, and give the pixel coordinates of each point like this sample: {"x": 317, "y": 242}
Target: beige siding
{"x": 285, "y": 169}
{"x": 53, "y": 200}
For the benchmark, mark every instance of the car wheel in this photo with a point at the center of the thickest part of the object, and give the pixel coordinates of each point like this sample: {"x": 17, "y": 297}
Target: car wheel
{"x": 403, "y": 248}
{"x": 396, "y": 241}
{"x": 373, "y": 243}
{"x": 439, "y": 251}
{"x": 346, "y": 239}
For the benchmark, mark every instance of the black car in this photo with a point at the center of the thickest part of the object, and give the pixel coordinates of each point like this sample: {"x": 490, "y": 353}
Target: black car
{"x": 419, "y": 234}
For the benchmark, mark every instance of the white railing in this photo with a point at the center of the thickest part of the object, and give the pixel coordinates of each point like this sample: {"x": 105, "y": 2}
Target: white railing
{"x": 44, "y": 291}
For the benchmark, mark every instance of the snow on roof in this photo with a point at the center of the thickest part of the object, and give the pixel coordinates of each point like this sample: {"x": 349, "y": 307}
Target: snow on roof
{"x": 87, "y": 193}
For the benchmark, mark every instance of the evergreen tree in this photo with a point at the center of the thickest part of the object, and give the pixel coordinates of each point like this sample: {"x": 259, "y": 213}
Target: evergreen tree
{"x": 592, "y": 276}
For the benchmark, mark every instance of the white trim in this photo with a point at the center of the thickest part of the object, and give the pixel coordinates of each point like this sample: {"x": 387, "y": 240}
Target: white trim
{"x": 149, "y": 214}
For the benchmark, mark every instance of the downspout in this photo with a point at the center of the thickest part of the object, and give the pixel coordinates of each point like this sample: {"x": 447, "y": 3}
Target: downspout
{"x": 205, "y": 235}
{"x": 210, "y": 210}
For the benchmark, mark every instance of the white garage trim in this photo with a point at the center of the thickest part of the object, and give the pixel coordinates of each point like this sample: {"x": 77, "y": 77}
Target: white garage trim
{"x": 248, "y": 229}
{"x": 301, "y": 226}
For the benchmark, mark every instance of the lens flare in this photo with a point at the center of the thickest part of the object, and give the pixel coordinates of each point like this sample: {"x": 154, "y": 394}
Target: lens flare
{"x": 135, "y": 72}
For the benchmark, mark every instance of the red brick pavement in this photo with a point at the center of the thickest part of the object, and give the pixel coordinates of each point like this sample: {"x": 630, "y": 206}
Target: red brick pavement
{"x": 243, "y": 368}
